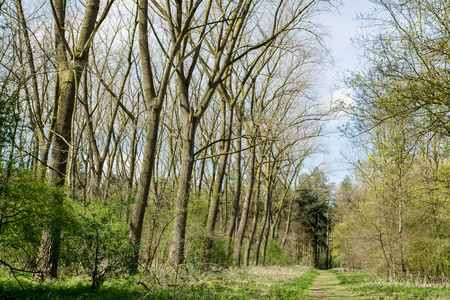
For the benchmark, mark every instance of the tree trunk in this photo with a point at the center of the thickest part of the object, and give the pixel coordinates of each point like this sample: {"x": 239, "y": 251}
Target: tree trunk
{"x": 177, "y": 254}
{"x": 153, "y": 106}
{"x": 400, "y": 241}
{"x": 237, "y": 192}
{"x": 69, "y": 75}
{"x": 215, "y": 199}
{"x": 40, "y": 137}
{"x": 263, "y": 224}
{"x": 248, "y": 246}
{"x": 245, "y": 209}
{"x": 264, "y": 248}
{"x": 141, "y": 199}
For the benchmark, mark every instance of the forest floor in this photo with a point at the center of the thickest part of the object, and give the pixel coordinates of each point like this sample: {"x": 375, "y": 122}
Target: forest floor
{"x": 191, "y": 282}
{"x": 328, "y": 286}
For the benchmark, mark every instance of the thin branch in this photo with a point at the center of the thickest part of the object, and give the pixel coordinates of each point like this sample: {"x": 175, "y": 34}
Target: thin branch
{"x": 227, "y": 153}
{"x": 34, "y": 156}
{"x": 60, "y": 29}
{"x": 217, "y": 141}
{"x": 97, "y": 26}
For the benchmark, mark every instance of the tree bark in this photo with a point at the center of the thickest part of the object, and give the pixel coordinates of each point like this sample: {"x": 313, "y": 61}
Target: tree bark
{"x": 215, "y": 199}
{"x": 248, "y": 246}
{"x": 141, "y": 199}
{"x": 245, "y": 210}
{"x": 69, "y": 74}
{"x": 263, "y": 222}
{"x": 177, "y": 251}
{"x": 237, "y": 190}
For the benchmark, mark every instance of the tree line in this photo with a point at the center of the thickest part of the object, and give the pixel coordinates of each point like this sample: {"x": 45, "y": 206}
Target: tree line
{"x": 392, "y": 217}
{"x": 140, "y": 134}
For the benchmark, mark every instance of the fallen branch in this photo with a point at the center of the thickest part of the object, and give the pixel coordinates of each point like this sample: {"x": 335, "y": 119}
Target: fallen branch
{"x": 12, "y": 269}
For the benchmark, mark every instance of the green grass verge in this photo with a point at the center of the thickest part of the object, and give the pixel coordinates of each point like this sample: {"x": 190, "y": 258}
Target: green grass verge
{"x": 379, "y": 288}
{"x": 247, "y": 283}
{"x": 68, "y": 288}
{"x": 250, "y": 283}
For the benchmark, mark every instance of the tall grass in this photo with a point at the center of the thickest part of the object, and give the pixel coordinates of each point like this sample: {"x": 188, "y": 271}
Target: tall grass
{"x": 187, "y": 282}
{"x": 370, "y": 284}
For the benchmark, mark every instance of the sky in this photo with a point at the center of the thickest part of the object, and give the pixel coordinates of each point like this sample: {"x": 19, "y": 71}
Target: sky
{"x": 343, "y": 26}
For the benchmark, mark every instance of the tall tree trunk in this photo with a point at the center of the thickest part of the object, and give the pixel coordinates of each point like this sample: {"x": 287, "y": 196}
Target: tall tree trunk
{"x": 153, "y": 105}
{"x": 130, "y": 176}
{"x": 215, "y": 199}
{"x": 400, "y": 239}
{"x": 245, "y": 209}
{"x": 288, "y": 223}
{"x": 263, "y": 222}
{"x": 177, "y": 251}
{"x": 237, "y": 191}
{"x": 143, "y": 188}
{"x": 249, "y": 244}
{"x": 154, "y": 99}
{"x": 69, "y": 74}
{"x": 40, "y": 137}
{"x": 264, "y": 248}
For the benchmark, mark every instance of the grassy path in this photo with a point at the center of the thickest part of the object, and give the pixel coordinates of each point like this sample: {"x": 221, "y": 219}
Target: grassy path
{"x": 327, "y": 286}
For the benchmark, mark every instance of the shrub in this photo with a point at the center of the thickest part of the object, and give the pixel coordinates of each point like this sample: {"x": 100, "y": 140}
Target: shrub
{"x": 275, "y": 254}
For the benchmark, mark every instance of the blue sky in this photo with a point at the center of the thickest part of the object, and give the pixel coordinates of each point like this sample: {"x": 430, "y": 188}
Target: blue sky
{"x": 342, "y": 27}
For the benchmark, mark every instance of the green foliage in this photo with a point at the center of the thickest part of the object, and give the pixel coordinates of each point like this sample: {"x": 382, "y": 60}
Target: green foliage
{"x": 249, "y": 283}
{"x": 196, "y": 228}
{"x": 94, "y": 236}
{"x": 68, "y": 288}
{"x": 380, "y": 288}
{"x": 8, "y": 116}
{"x": 275, "y": 255}
{"x": 295, "y": 289}
{"x": 219, "y": 253}
{"x": 96, "y": 241}
{"x": 25, "y": 206}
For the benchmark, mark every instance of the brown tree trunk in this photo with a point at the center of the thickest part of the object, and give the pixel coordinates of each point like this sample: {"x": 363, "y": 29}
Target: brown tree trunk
{"x": 40, "y": 137}
{"x": 177, "y": 251}
{"x": 141, "y": 199}
{"x": 245, "y": 209}
{"x": 288, "y": 222}
{"x": 237, "y": 191}
{"x": 249, "y": 244}
{"x": 215, "y": 199}
{"x": 69, "y": 74}
{"x": 263, "y": 223}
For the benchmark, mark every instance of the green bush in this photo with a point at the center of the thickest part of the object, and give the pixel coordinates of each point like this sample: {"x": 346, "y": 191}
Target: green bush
{"x": 275, "y": 254}
{"x": 25, "y": 206}
{"x": 96, "y": 241}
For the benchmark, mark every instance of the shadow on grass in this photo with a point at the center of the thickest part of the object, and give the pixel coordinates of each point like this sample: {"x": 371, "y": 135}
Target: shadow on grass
{"x": 73, "y": 289}
{"x": 236, "y": 284}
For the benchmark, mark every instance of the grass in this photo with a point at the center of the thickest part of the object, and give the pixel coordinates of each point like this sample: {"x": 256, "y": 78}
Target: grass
{"x": 248, "y": 283}
{"x": 327, "y": 286}
{"x": 379, "y": 288}
{"x": 241, "y": 283}
{"x": 187, "y": 283}
{"x": 68, "y": 288}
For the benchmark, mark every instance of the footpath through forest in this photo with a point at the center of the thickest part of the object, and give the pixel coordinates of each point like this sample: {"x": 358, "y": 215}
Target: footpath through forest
{"x": 327, "y": 286}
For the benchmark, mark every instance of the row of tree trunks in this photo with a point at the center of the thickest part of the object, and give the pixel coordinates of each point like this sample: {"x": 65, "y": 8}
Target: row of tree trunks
{"x": 220, "y": 27}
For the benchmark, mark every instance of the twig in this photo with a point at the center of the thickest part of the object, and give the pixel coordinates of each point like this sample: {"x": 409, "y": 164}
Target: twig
{"x": 143, "y": 284}
{"x": 12, "y": 269}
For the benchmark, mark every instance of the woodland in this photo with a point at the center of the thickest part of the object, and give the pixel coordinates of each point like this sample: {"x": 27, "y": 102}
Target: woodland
{"x": 160, "y": 140}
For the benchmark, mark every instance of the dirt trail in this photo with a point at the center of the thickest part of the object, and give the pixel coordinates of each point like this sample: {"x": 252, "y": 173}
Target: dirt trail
{"x": 327, "y": 286}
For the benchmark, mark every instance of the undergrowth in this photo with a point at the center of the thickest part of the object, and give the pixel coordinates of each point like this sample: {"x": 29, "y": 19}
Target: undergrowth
{"x": 382, "y": 289}
{"x": 185, "y": 283}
